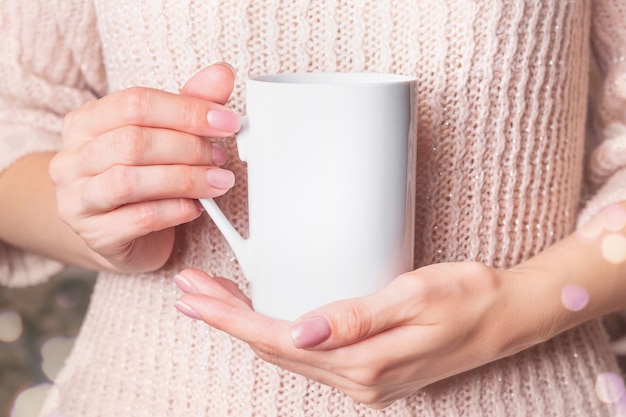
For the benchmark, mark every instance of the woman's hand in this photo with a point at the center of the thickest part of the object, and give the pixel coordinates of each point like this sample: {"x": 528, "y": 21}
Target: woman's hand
{"x": 426, "y": 325}
{"x": 133, "y": 164}
{"x": 434, "y": 322}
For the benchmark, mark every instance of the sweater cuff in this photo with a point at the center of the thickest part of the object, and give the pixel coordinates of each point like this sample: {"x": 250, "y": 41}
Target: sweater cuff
{"x": 612, "y": 192}
{"x": 21, "y": 269}
{"x": 18, "y": 141}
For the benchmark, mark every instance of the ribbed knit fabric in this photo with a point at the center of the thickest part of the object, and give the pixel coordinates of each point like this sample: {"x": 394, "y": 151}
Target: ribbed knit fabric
{"x": 502, "y": 107}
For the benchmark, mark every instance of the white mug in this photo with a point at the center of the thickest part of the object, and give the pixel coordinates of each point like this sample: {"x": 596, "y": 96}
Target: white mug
{"x": 331, "y": 191}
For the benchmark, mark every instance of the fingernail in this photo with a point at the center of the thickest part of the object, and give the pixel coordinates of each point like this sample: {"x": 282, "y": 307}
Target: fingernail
{"x": 220, "y": 178}
{"x": 185, "y": 285}
{"x": 219, "y": 155}
{"x": 200, "y": 206}
{"x": 310, "y": 332}
{"x": 224, "y": 120}
{"x": 187, "y": 311}
{"x": 227, "y": 65}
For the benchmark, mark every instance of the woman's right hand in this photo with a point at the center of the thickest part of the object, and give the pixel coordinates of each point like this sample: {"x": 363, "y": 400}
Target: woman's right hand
{"x": 134, "y": 163}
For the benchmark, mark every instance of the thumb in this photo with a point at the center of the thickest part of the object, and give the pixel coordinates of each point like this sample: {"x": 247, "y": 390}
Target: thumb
{"x": 213, "y": 83}
{"x": 345, "y": 322}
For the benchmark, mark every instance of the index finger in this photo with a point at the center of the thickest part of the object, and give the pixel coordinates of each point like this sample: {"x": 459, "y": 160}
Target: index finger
{"x": 141, "y": 106}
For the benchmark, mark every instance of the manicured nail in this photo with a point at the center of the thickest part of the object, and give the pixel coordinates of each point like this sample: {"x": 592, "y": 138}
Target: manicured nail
{"x": 219, "y": 155}
{"x": 187, "y": 311}
{"x": 185, "y": 285}
{"x": 220, "y": 178}
{"x": 310, "y": 332}
{"x": 224, "y": 120}
{"x": 230, "y": 67}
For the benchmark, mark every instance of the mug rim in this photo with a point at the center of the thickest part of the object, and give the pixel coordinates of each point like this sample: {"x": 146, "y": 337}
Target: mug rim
{"x": 333, "y": 78}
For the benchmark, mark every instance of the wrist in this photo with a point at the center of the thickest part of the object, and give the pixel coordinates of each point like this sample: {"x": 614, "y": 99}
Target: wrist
{"x": 567, "y": 284}
{"x": 527, "y": 313}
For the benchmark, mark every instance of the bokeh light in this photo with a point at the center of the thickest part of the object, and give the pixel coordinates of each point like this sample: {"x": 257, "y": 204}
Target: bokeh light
{"x": 619, "y": 346}
{"x": 574, "y": 297}
{"x": 592, "y": 230}
{"x": 53, "y": 354}
{"x": 614, "y": 248}
{"x": 68, "y": 296}
{"x": 29, "y": 402}
{"x": 612, "y": 219}
{"x": 619, "y": 408}
{"x": 610, "y": 387}
{"x": 615, "y": 218}
{"x": 11, "y": 326}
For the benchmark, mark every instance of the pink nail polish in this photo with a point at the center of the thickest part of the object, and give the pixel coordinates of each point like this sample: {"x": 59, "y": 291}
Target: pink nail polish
{"x": 200, "y": 206}
{"x": 310, "y": 332}
{"x": 230, "y": 67}
{"x": 187, "y": 311}
{"x": 185, "y": 285}
{"x": 224, "y": 120}
{"x": 220, "y": 178}
{"x": 219, "y": 155}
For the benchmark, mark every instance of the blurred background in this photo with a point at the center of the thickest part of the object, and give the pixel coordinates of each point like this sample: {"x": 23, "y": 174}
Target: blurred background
{"x": 37, "y": 328}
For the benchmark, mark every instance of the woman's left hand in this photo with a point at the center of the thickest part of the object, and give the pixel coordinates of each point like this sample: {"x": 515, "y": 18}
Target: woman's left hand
{"x": 426, "y": 325}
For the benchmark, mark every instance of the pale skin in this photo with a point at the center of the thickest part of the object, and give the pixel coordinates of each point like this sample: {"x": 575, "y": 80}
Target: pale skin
{"x": 139, "y": 158}
{"x": 426, "y": 325}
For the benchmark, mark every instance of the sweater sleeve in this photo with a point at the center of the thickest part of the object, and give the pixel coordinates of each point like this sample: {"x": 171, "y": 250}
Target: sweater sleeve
{"x": 50, "y": 64}
{"x": 607, "y": 162}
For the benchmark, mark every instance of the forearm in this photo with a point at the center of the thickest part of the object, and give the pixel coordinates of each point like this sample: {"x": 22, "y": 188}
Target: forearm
{"x": 580, "y": 278}
{"x": 28, "y": 215}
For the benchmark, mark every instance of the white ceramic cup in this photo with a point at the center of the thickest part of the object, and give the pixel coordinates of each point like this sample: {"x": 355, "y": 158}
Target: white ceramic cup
{"x": 331, "y": 165}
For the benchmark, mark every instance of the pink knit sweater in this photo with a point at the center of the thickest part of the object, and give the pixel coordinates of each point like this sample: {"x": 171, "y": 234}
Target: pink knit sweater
{"x": 502, "y": 107}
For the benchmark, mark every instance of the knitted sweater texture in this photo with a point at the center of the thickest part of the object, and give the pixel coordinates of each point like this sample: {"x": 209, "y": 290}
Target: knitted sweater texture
{"x": 502, "y": 174}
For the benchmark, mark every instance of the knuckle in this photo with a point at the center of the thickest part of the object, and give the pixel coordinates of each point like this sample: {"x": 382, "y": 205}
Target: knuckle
{"x": 366, "y": 376}
{"x": 419, "y": 289}
{"x": 144, "y": 216}
{"x": 88, "y": 155}
{"x": 199, "y": 150}
{"x": 185, "y": 209}
{"x": 179, "y": 209}
{"x": 475, "y": 268}
{"x": 188, "y": 114}
{"x": 131, "y": 143}
{"x": 93, "y": 239}
{"x": 65, "y": 211}
{"x": 186, "y": 181}
{"x": 416, "y": 288}
{"x": 266, "y": 351}
{"x": 188, "y": 209}
{"x": 134, "y": 104}
{"x": 106, "y": 244}
{"x": 119, "y": 184}
{"x": 354, "y": 321}
{"x": 55, "y": 169}
{"x": 69, "y": 121}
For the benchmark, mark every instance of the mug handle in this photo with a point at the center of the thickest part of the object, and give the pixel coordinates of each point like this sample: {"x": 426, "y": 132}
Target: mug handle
{"x": 238, "y": 244}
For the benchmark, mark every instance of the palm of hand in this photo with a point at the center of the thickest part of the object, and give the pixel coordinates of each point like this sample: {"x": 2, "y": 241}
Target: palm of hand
{"x": 426, "y": 325}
